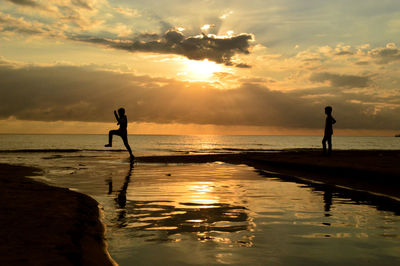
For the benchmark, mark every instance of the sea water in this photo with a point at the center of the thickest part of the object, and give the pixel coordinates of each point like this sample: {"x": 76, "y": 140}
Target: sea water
{"x": 186, "y": 144}
{"x": 216, "y": 213}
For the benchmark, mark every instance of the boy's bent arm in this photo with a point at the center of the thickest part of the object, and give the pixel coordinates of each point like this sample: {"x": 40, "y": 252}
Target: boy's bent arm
{"x": 116, "y": 117}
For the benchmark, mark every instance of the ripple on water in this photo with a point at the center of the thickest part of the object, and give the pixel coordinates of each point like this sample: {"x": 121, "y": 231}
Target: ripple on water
{"x": 219, "y": 213}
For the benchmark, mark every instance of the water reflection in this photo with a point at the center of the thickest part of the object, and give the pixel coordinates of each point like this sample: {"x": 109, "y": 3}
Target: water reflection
{"x": 332, "y": 195}
{"x": 121, "y": 196}
{"x": 198, "y": 210}
{"x": 327, "y": 201}
{"x": 168, "y": 220}
{"x": 208, "y": 214}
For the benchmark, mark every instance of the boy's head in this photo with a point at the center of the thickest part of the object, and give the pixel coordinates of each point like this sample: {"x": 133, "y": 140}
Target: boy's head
{"x": 328, "y": 110}
{"x": 121, "y": 111}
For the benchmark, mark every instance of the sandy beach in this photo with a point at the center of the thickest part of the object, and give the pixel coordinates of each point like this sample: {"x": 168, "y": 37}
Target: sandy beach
{"x": 48, "y": 225}
{"x": 44, "y": 225}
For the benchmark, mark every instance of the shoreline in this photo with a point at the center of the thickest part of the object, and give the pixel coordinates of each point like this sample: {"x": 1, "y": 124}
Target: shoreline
{"x": 373, "y": 171}
{"x": 43, "y": 225}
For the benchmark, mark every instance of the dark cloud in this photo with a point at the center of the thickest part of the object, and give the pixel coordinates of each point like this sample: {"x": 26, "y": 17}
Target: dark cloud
{"x": 30, "y": 3}
{"x": 312, "y": 60}
{"x": 82, "y": 94}
{"x": 386, "y": 55}
{"x": 217, "y": 49}
{"x": 147, "y": 37}
{"x": 81, "y": 3}
{"x": 344, "y": 53}
{"x": 242, "y": 65}
{"x": 255, "y": 80}
{"x": 338, "y": 80}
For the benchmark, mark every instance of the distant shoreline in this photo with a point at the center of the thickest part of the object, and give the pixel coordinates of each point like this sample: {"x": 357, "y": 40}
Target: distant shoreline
{"x": 245, "y": 135}
{"x": 46, "y": 225}
{"x": 152, "y": 145}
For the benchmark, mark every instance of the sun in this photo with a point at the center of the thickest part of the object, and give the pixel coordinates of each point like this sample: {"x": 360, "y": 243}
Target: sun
{"x": 201, "y": 70}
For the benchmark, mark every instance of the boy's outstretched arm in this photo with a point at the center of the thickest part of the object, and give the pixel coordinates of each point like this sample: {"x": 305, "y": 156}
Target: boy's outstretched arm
{"x": 333, "y": 120}
{"x": 116, "y": 116}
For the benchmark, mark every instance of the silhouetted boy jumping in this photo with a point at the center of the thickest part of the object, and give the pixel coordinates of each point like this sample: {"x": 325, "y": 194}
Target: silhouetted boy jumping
{"x": 328, "y": 130}
{"x": 122, "y": 131}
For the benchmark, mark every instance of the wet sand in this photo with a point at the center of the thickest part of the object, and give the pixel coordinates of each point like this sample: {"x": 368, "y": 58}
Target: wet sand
{"x": 45, "y": 225}
{"x": 373, "y": 171}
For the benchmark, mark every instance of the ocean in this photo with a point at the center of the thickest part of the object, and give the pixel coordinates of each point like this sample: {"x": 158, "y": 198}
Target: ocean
{"x": 186, "y": 144}
{"x": 216, "y": 213}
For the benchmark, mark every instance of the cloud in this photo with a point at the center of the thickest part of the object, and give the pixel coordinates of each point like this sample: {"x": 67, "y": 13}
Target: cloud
{"x": 65, "y": 20}
{"x": 225, "y": 15}
{"x": 219, "y": 49}
{"x": 339, "y": 80}
{"x": 386, "y": 55}
{"x": 68, "y": 17}
{"x": 243, "y": 65}
{"x": 85, "y": 21}
{"x": 72, "y": 93}
{"x": 77, "y": 3}
{"x": 211, "y": 47}
{"x": 20, "y": 25}
{"x": 81, "y": 94}
{"x": 30, "y": 3}
{"x": 82, "y": 4}
{"x": 362, "y": 63}
{"x": 344, "y": 53}
{"x": 129, "y": 12}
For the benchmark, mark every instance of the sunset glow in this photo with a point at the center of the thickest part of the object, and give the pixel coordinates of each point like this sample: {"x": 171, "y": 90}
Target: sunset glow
{"x": 203, "y": 64}
{"x": 201, "y": 70}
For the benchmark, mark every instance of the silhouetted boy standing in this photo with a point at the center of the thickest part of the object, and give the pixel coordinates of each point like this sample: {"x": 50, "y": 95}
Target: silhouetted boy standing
{"x": 122, "y": 131}
{"x": 328, "y": 130}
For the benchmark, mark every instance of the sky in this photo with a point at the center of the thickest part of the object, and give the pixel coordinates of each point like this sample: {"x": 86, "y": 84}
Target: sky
{"x": 262, "y": 67}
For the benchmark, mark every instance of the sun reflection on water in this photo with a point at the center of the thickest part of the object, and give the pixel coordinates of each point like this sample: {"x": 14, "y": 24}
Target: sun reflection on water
{"x": 182, "y": 207}
{"x": 201, "y": 195}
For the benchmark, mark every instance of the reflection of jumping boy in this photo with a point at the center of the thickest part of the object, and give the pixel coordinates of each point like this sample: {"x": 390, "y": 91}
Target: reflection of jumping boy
{"x": 328, "y": 130}
{"x": 122, "y": 131}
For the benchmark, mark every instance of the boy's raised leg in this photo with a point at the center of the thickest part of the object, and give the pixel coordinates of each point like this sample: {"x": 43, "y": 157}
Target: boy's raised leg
{"x": 110, "y": 137}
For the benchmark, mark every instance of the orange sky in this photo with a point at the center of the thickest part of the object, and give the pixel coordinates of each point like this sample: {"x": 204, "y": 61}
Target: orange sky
{"x": 199, "y": 68}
